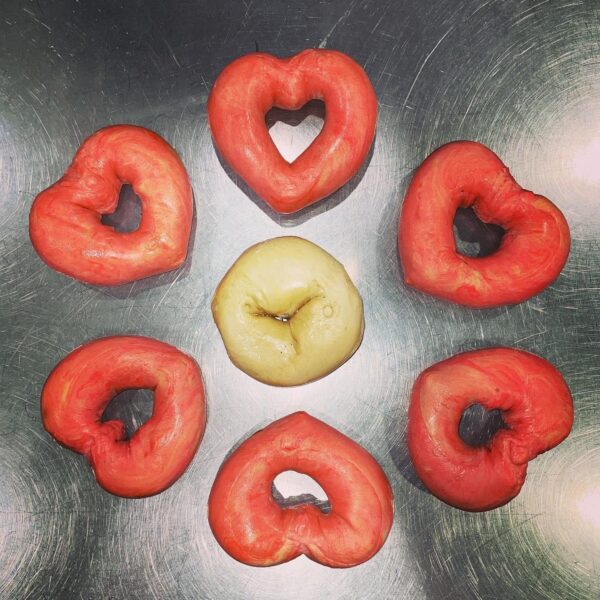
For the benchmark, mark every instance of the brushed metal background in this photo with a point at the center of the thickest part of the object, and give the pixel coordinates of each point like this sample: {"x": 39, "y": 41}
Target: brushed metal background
{"x": 522, "y": 77}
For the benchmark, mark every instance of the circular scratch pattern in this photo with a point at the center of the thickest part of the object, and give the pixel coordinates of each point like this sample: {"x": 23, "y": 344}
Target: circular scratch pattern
{"x": 519, "y": 76}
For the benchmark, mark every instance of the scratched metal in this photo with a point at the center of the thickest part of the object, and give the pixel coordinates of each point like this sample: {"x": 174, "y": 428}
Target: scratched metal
{"x": 520, "y": 76}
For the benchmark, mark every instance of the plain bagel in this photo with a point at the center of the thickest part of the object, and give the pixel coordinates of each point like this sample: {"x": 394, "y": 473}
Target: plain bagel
{"x": 287, "y": 312}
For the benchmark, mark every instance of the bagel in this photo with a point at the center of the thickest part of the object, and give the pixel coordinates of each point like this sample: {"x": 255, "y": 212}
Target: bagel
{"x": 537, "y": 410}
{"x": 65, "y": 220}
{"x": 252, "y": 528}
{"x": 84, "y": 382}
{"x": 248, "y": 87}
{"x": 287, "y": 312}
{"x": 533, "y": 250}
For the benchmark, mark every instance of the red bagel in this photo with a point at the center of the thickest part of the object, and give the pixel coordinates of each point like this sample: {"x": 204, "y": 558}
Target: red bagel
{"x": 254, "y": 529}
{"x": 65, "y": 226}
{"x": 534, "y": 248}
{"x": 536, "y": 407}
{"x": 251, "y": 85}
{"x": 83, "y": 383}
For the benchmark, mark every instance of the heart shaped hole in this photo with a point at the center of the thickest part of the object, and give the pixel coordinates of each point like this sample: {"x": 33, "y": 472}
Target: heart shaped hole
{"x": 478, "y": 426}
{"x": 293, "y": 131}
{"x": 291, "y": 488}
{"x": 128, "y": 214}
{"x": 473, "y": 237}
{"x": 132, "y": 407}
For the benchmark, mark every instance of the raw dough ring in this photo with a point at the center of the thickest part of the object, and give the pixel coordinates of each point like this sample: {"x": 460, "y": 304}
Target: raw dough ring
{"x": 250, "y": 525}
{"x": 536, "y": 406}
{"x": 533, "y": 250}
{"x": 65, "y": 226}
{"x": 287, "y": 312}
{"x": 251, "y": 85}
{"x": 83, "y": 383}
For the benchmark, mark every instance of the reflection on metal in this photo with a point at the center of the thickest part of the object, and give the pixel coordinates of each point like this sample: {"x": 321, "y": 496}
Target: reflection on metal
{"x": 290, "y": 139}
{"x": 291, "y": 489}
{"x": 586, "y": 161}
{"x": 568, "y": 508}
{"x": 589, "y": 508}
{"x": 521, "y": 77}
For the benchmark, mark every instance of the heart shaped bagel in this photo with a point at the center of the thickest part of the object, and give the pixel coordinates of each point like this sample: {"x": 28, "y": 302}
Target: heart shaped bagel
{"x": 251, "y": 526}
{"x": 537, "y": 411}
{"x": 65, "y": 224}
{"x": 251, "y": 85}
{"x": 534, "y": 247}
{"x": 80, "y": 387}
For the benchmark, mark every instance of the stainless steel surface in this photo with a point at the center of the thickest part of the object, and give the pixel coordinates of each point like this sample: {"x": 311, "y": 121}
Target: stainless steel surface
{"x": 520, "y": 76}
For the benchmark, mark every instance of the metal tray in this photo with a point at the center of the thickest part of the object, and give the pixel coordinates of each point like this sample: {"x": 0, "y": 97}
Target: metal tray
{"x": 522, "y": 77}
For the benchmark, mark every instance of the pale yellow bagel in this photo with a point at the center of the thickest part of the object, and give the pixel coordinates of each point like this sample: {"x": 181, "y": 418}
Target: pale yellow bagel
{"x": 287, "y": 312}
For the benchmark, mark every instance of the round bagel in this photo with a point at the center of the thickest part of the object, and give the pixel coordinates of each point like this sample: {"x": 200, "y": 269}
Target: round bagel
{"x": 287, "y": 312}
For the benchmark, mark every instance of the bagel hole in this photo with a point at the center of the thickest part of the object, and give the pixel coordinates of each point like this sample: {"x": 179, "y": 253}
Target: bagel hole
{"x": 478, "y": 426}
{"x": 132, "y": 407}
{"x": 293, "y": 131}
{"x": 277, "y": 317}
{"x": 291, "y": 488}
{"x": 128, "y": 214}
{"x": 473, "y": 237}
{"x": 282, "y": 318}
